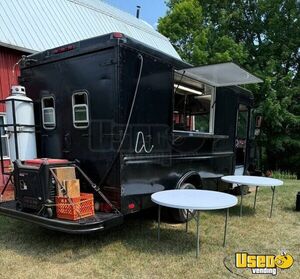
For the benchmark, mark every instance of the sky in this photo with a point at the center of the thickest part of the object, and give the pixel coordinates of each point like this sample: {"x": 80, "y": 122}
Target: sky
{"x": 151, "y": 10}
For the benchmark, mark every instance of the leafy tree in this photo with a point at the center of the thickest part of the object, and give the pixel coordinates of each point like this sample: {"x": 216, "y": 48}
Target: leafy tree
{"x": 264, "y": 37}
{"x": 194, "y": 40}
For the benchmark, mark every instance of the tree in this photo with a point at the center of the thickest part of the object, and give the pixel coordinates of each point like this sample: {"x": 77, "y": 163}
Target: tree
{"x": 195, "y": 41}
{"x": 264, "y": 37}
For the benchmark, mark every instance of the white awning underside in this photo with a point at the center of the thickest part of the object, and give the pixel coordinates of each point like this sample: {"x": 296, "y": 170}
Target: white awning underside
{"x": 223, "y": 74}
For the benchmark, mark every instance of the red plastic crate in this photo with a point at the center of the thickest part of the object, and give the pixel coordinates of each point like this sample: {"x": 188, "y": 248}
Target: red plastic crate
{"x": 82, "y": 207}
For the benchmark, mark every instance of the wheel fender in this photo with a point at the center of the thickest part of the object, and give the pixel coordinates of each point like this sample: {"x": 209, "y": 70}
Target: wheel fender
{"x": 191, "y": 177}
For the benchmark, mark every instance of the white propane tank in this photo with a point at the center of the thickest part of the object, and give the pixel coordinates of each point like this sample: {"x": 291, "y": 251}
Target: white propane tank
{"x": 24, "y": 115}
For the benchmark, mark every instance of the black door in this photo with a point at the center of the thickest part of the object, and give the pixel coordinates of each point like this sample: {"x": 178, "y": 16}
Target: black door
{"x": 241, "y": 139}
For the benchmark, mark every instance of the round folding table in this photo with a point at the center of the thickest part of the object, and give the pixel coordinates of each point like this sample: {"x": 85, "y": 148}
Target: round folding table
{"x": 258, "y": 181}
{"x": 194, "y": 200}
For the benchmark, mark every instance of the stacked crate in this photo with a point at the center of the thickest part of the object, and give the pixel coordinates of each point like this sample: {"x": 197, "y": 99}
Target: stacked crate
{"x": 74, "y": 205}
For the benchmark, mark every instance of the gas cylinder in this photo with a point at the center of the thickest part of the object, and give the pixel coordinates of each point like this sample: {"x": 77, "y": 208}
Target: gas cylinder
{"x": 20, "y": 112}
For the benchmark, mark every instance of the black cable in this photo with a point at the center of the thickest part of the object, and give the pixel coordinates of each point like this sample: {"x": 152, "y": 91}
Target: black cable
{"x": 179, "y": 83}
{"x": 127, "y": 123}
{"x": 133, "y": 102}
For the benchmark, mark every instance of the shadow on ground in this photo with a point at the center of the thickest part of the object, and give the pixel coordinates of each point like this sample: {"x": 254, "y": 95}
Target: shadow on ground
{"x": 137, "y": 232}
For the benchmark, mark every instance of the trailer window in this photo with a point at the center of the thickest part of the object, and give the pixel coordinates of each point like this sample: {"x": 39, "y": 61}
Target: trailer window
{"x": 193, "y": 107}
{"x": 48, "y": 113}
{"x": 80, "y": 110}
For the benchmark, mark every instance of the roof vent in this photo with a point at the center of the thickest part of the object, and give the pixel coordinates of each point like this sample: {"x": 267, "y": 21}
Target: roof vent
{"x": 138, "y": 8}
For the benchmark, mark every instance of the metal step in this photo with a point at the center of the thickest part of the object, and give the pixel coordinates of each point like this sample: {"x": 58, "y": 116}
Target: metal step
{"x": 101, "y": 220}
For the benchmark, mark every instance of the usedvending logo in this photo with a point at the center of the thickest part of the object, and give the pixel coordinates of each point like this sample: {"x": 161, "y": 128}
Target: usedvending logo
{"x": 263, "y": 264}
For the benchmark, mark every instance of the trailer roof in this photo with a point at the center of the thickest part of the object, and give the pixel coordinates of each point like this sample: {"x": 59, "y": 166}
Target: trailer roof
{"x": 35, "y": 25}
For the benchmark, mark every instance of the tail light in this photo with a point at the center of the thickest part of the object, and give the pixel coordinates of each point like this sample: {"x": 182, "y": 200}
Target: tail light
{"x": 117, "y": 35}
{"x": 63, "y": 49}
{"x": 131, "y": 206}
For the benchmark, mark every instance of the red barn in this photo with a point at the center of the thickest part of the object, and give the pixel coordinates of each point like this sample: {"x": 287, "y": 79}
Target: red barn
{"x": 9, "y": 72}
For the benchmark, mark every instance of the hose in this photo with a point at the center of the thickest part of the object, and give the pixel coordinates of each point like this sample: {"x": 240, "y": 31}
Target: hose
{"x": 128, "y": 121}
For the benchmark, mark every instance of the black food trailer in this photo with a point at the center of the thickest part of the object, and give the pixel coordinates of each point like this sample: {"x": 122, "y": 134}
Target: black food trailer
{"x": 132, "y": 121}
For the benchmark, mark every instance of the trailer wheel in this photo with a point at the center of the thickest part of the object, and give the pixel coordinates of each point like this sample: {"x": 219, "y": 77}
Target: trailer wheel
{"x": 180, "y": 215}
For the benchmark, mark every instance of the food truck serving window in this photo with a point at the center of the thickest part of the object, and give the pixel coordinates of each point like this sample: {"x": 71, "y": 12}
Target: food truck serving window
{"x": 48, "y": 113}
{"x": 193, "y": 105}
{"x": 80, "y": 109}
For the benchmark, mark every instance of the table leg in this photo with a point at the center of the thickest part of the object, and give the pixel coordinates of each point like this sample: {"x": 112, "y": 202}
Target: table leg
{"x": 255, "y": 197}
{"x": 273, "y": 189}
{"x": 225, "y": 230}
{"x": 187, "y": 220}
{"x": 241, "y": 205}
{"x": 198, "y": 235}
{"x": 158, "y": 224}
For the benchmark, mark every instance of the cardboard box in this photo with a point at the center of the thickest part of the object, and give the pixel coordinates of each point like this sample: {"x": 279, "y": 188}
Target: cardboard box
{"x": 64, "y": 173}
{"x": 73, "y": 188}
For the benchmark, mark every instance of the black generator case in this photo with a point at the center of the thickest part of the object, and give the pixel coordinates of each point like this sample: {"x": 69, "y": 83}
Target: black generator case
{"x": 34, "y": 185}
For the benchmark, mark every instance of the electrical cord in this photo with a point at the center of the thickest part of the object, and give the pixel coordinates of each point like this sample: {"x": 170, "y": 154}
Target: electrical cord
{"x": 128, "y": 120}
{"x": 133, "y": 102}
{"x": 179, "y": 83}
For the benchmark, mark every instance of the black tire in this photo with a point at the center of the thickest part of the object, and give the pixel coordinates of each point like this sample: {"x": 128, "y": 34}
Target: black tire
{"x": 19, "y": 206}
{"x": 50, "y": 213}
{"x": 180, "y": 215}
{"x": 47, "y": 213}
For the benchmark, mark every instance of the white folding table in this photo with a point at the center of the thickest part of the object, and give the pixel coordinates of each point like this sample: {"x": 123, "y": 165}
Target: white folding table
{"x": 258, "y": 181}
{"x": 194, "y": 200}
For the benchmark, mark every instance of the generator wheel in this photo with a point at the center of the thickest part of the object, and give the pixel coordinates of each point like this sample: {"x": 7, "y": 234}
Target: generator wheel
{"x": 50, "y": 212}
{"x": 47, "y": 212}
{"x": 19, "y": 206}
{"x": 180, "y": 215}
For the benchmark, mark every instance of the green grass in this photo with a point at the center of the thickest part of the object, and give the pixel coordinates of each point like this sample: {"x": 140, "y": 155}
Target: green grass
{"x": 284, "y": 175}
{"x": 132, "y": 250}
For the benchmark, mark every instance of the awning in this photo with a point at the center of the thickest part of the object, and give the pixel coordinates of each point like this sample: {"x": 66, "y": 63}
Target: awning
{"x": 223, "y": 74}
